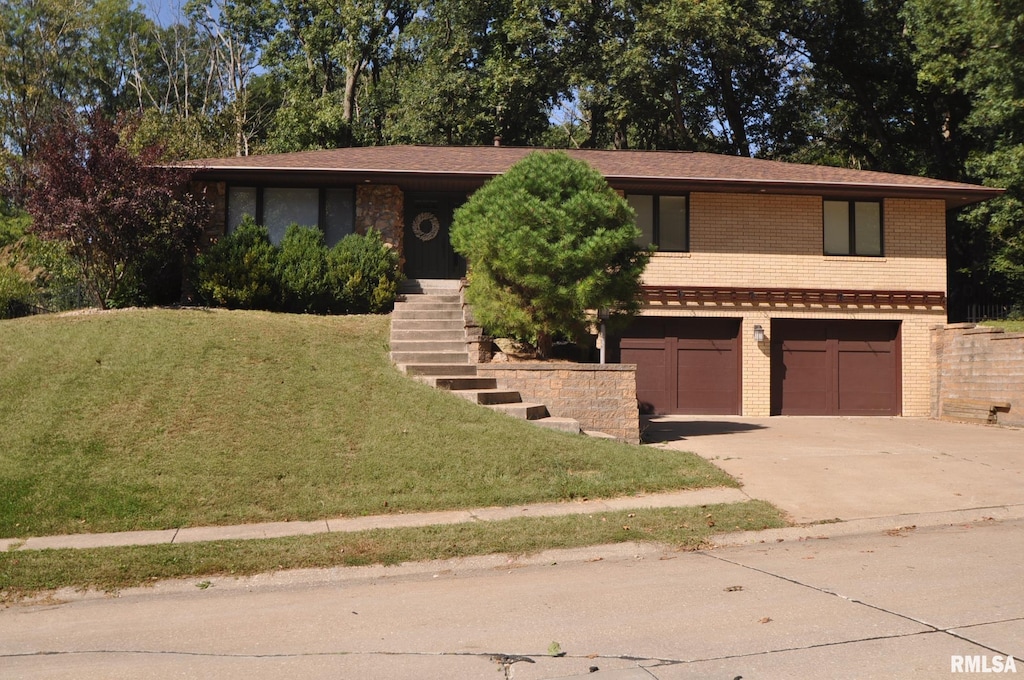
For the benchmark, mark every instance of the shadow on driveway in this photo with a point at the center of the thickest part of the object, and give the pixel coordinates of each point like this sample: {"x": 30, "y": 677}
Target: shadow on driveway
{"x": 661, "y": 429}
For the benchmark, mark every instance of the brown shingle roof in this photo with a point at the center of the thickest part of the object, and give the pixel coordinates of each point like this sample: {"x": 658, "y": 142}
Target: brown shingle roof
{"x": 690, "y": 170}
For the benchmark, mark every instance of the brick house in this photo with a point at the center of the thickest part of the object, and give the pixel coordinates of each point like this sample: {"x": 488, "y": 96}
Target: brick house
{"x": 777, "y": 288}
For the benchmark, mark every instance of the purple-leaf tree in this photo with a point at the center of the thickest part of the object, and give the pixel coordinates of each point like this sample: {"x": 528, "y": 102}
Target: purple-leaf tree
{"x": 125, "y": 218}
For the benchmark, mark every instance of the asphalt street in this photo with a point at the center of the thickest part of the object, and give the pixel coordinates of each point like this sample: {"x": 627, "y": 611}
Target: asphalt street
{"x": 895, "y": 603}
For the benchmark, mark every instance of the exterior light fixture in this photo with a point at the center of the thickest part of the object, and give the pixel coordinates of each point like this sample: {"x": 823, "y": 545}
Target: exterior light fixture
{"x": 758, "y": 333}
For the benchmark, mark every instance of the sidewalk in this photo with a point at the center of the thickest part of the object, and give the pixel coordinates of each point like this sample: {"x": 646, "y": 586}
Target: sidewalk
{"x": 695, "y": 497}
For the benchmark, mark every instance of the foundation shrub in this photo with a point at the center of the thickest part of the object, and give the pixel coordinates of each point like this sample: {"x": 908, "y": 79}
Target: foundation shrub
{"x": 239, "y": 270}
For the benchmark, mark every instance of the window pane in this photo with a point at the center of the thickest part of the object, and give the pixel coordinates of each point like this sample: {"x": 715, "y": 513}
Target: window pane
{"x": 644, "y": 207}
{"x": 284, "y": 207}
{"x": 340, "y": 215}
{"x": 868, "y": 228}
{"x": 672, "y": 223}
{"x": 837, "y": 227}
{"x": 241, "y": 202}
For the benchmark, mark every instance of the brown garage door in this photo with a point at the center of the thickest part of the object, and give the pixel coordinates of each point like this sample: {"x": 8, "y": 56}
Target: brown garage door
{"x": 684, "y": 365}
{"x": 849, "y": 368}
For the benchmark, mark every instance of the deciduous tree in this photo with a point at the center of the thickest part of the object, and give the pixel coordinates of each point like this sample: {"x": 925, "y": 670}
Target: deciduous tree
{"x": 128, "y": 223}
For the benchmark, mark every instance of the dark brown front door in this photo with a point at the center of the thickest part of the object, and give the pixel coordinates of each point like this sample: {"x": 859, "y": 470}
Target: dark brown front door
{"x": 835, "y": 368}
{"x": 428, "y": 249}
{"x": 684, "y": 366}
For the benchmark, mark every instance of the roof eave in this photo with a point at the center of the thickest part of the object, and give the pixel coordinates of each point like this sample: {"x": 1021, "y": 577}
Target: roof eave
{"x": 954, "y": 196}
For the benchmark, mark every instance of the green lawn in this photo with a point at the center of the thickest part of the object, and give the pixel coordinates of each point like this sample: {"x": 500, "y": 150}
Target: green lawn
{"x": 28, "y": 572}
{"x": 148, "y": 419}
{"x": 1008, "y": 326}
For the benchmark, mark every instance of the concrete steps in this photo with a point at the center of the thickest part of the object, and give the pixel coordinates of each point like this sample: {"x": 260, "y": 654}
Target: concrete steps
{"x": 489, "y": 397}
{"x": 437, "y": 369}
{"x": 428, "y": 342}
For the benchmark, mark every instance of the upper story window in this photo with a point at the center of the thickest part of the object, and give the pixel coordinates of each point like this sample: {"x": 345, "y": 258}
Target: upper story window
{"x": 277, "y": 208}
{"x": 852, "y": 228}
{"x": 663, "y": 221}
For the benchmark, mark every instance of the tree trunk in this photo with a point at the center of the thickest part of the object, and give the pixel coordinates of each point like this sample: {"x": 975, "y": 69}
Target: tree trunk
{"x": 544, "y": 344}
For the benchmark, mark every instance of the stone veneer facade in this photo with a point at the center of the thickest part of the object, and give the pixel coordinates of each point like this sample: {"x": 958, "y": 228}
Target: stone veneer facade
{"x": 216, "y": 195}
{"x": 381, "y": 207}
{"x": 600, "y": 397}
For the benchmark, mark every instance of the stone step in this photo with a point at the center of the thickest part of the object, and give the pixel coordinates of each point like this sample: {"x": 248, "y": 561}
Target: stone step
{"x": 447, "y": 296}
{"x": 562, "y": 424}
{"x": 428, "y": 345}
{"x": 460, "y": 382}
{"x": 425, "y": 314}
{"x": 430, "y": 357}
{"x": 428, "y": 369}
{"x": 399, "y": 335}
{"x": 523, "y": 410}
{"x": 428, "y": 286}
{"x": 489, "y": 397}
{"x": 431, "y": 302}
{"x": 427, "y": 324}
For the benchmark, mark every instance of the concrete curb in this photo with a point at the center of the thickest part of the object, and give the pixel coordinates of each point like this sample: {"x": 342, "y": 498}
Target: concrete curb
{"x": 869, "y": 525}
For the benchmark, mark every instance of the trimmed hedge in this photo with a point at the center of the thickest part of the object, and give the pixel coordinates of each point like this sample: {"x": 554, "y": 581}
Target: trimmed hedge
{"x": 244, "y": 270}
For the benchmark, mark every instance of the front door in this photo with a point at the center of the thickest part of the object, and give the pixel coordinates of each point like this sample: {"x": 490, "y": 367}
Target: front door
{"x": 428, "y": 250}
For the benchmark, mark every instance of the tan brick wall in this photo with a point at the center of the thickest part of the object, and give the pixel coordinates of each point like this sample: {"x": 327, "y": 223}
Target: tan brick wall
{"x": 751, "y": 240}
{"x": 740, "y": 240}
{"x": 600, "y": 397}
{"x": 756, "y": 357}
{"x": 978, "y": 363}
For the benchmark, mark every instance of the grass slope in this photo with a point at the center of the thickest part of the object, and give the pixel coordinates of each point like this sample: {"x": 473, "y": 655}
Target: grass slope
{"x": 148, "y": 419}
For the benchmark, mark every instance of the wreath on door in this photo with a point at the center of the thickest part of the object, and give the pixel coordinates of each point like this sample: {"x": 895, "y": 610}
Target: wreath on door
{"x": 433, "y": 224}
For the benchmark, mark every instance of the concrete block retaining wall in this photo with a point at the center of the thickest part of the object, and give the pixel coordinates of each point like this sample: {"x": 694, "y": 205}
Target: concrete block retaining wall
{"x": 978, "y": 362}
{"x": 600, "y": 396}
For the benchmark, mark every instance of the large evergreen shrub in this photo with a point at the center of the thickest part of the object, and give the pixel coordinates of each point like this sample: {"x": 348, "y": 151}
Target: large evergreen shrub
{"x": 548, "y": 243}
{"x": 302, "y": 271}
{"x": 239, "y": 270}
{"x": 364, "y": 274}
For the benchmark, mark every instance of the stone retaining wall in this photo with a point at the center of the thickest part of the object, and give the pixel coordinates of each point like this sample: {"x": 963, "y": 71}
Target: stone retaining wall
{"x": 978, "y": 362}
{"x": 600, "y": 396}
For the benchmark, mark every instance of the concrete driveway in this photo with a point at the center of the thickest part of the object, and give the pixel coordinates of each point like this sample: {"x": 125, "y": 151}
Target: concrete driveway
{"x": 853, "y": 468}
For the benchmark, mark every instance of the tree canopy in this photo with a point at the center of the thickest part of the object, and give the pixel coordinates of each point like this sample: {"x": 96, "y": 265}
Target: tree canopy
{"x": 128, "y": 223}
{"x": 928, "y": 87}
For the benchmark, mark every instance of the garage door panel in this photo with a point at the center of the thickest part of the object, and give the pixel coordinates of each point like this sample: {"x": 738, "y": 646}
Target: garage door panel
{"x": 872, "y": 347}
{"x": 696, "y": 370}
{"x": 652, "y": 373}
{"x": 835, "y": 367}
{"x": 708, "y": 378}
{"x": 865, "y": 383}
{"x": 805, "y": 376}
